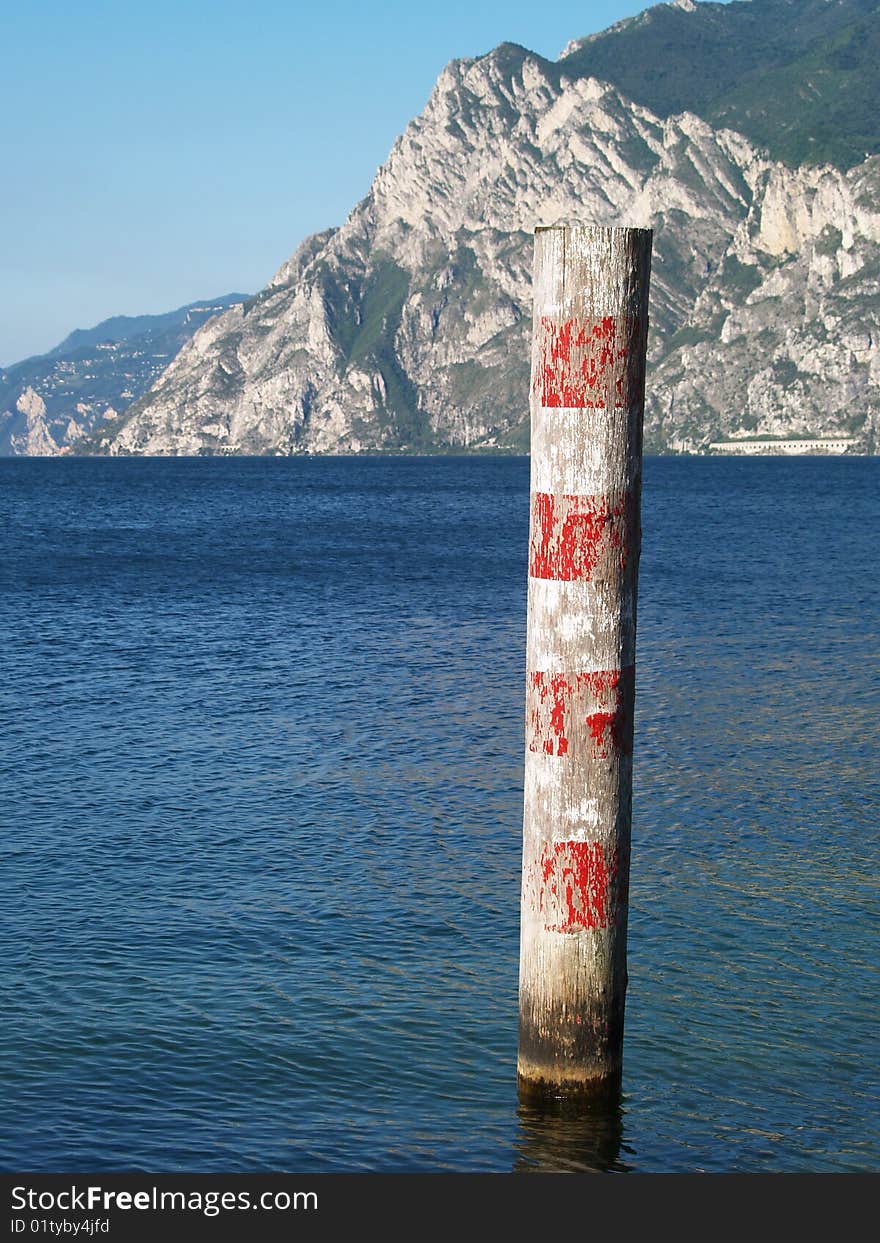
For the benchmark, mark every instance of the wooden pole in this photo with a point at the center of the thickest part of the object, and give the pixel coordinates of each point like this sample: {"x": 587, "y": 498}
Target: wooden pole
{"x": 587, "y": 406}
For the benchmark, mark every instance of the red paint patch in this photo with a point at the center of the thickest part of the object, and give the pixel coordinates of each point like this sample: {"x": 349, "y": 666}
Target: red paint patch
{"x": 571, "y": 534}
{"x": 569, "y": 713}
{"x": 577, "y": 886}
{"x": 584, "y": 363}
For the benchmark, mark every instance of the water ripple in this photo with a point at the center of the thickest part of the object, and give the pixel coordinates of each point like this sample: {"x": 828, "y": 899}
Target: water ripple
{"x": 260, "y": 756}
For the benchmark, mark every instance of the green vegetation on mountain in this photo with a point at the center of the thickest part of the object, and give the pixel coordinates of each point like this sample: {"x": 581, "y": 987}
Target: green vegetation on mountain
{"x": 798, "y": 77}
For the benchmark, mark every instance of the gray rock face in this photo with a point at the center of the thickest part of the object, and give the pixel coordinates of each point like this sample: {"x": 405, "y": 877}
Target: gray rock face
{"x": 35, "y": 439}
{"x": 408, "y": 327}
{"x": 783, "y": 340}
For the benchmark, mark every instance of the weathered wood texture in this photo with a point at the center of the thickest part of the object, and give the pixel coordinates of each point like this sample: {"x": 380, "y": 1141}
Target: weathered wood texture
{"x": 587, "y": 405}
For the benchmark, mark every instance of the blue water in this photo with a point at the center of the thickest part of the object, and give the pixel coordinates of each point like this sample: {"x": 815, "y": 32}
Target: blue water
{"x": 260, "y": 770}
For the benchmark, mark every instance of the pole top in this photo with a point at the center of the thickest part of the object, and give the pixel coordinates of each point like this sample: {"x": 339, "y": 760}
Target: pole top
{"x": 564, "y": 225}
{"x": 589, "y": 271}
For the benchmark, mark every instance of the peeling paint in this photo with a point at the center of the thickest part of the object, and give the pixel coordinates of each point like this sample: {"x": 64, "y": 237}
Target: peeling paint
{"x": 577, "y": 886}
{"x": 571, "y": 713}
{"x": 570, "y": 535}
{"x": 584, "y": 363}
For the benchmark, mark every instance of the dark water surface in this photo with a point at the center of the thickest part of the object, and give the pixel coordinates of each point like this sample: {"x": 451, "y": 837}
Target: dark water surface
{"x": 260, "y": 768}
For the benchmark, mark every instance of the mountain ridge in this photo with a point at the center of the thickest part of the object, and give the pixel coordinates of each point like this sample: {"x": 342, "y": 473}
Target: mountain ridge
{"x": 119, "y": 328}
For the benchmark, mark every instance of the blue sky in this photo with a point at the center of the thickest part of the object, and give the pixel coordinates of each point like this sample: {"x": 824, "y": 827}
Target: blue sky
{"x": 158, "y": 153}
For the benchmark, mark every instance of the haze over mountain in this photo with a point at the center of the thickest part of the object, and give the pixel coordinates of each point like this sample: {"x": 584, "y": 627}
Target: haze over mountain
{"x": 745, "y": 134}
{"x": 51, "y": 400}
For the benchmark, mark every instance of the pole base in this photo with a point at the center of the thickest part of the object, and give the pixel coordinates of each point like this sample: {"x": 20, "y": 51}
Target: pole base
{"x": 538, "y": 1084}
{"x": 571, "y": 1049}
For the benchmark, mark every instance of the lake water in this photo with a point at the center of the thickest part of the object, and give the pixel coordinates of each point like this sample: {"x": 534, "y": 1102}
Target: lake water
{"x": 260, "y": 768}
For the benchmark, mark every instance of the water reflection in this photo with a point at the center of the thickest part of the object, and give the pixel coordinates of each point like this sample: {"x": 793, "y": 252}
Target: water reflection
{"x": 559, "y": 1136}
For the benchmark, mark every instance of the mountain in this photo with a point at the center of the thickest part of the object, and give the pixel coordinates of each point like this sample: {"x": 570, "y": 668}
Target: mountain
{"x": 408, "y": 327}
{"x": 48, "y": 401}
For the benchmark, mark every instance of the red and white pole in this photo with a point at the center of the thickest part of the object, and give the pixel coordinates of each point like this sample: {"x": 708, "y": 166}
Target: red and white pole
{"x": 587, "y": 407}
